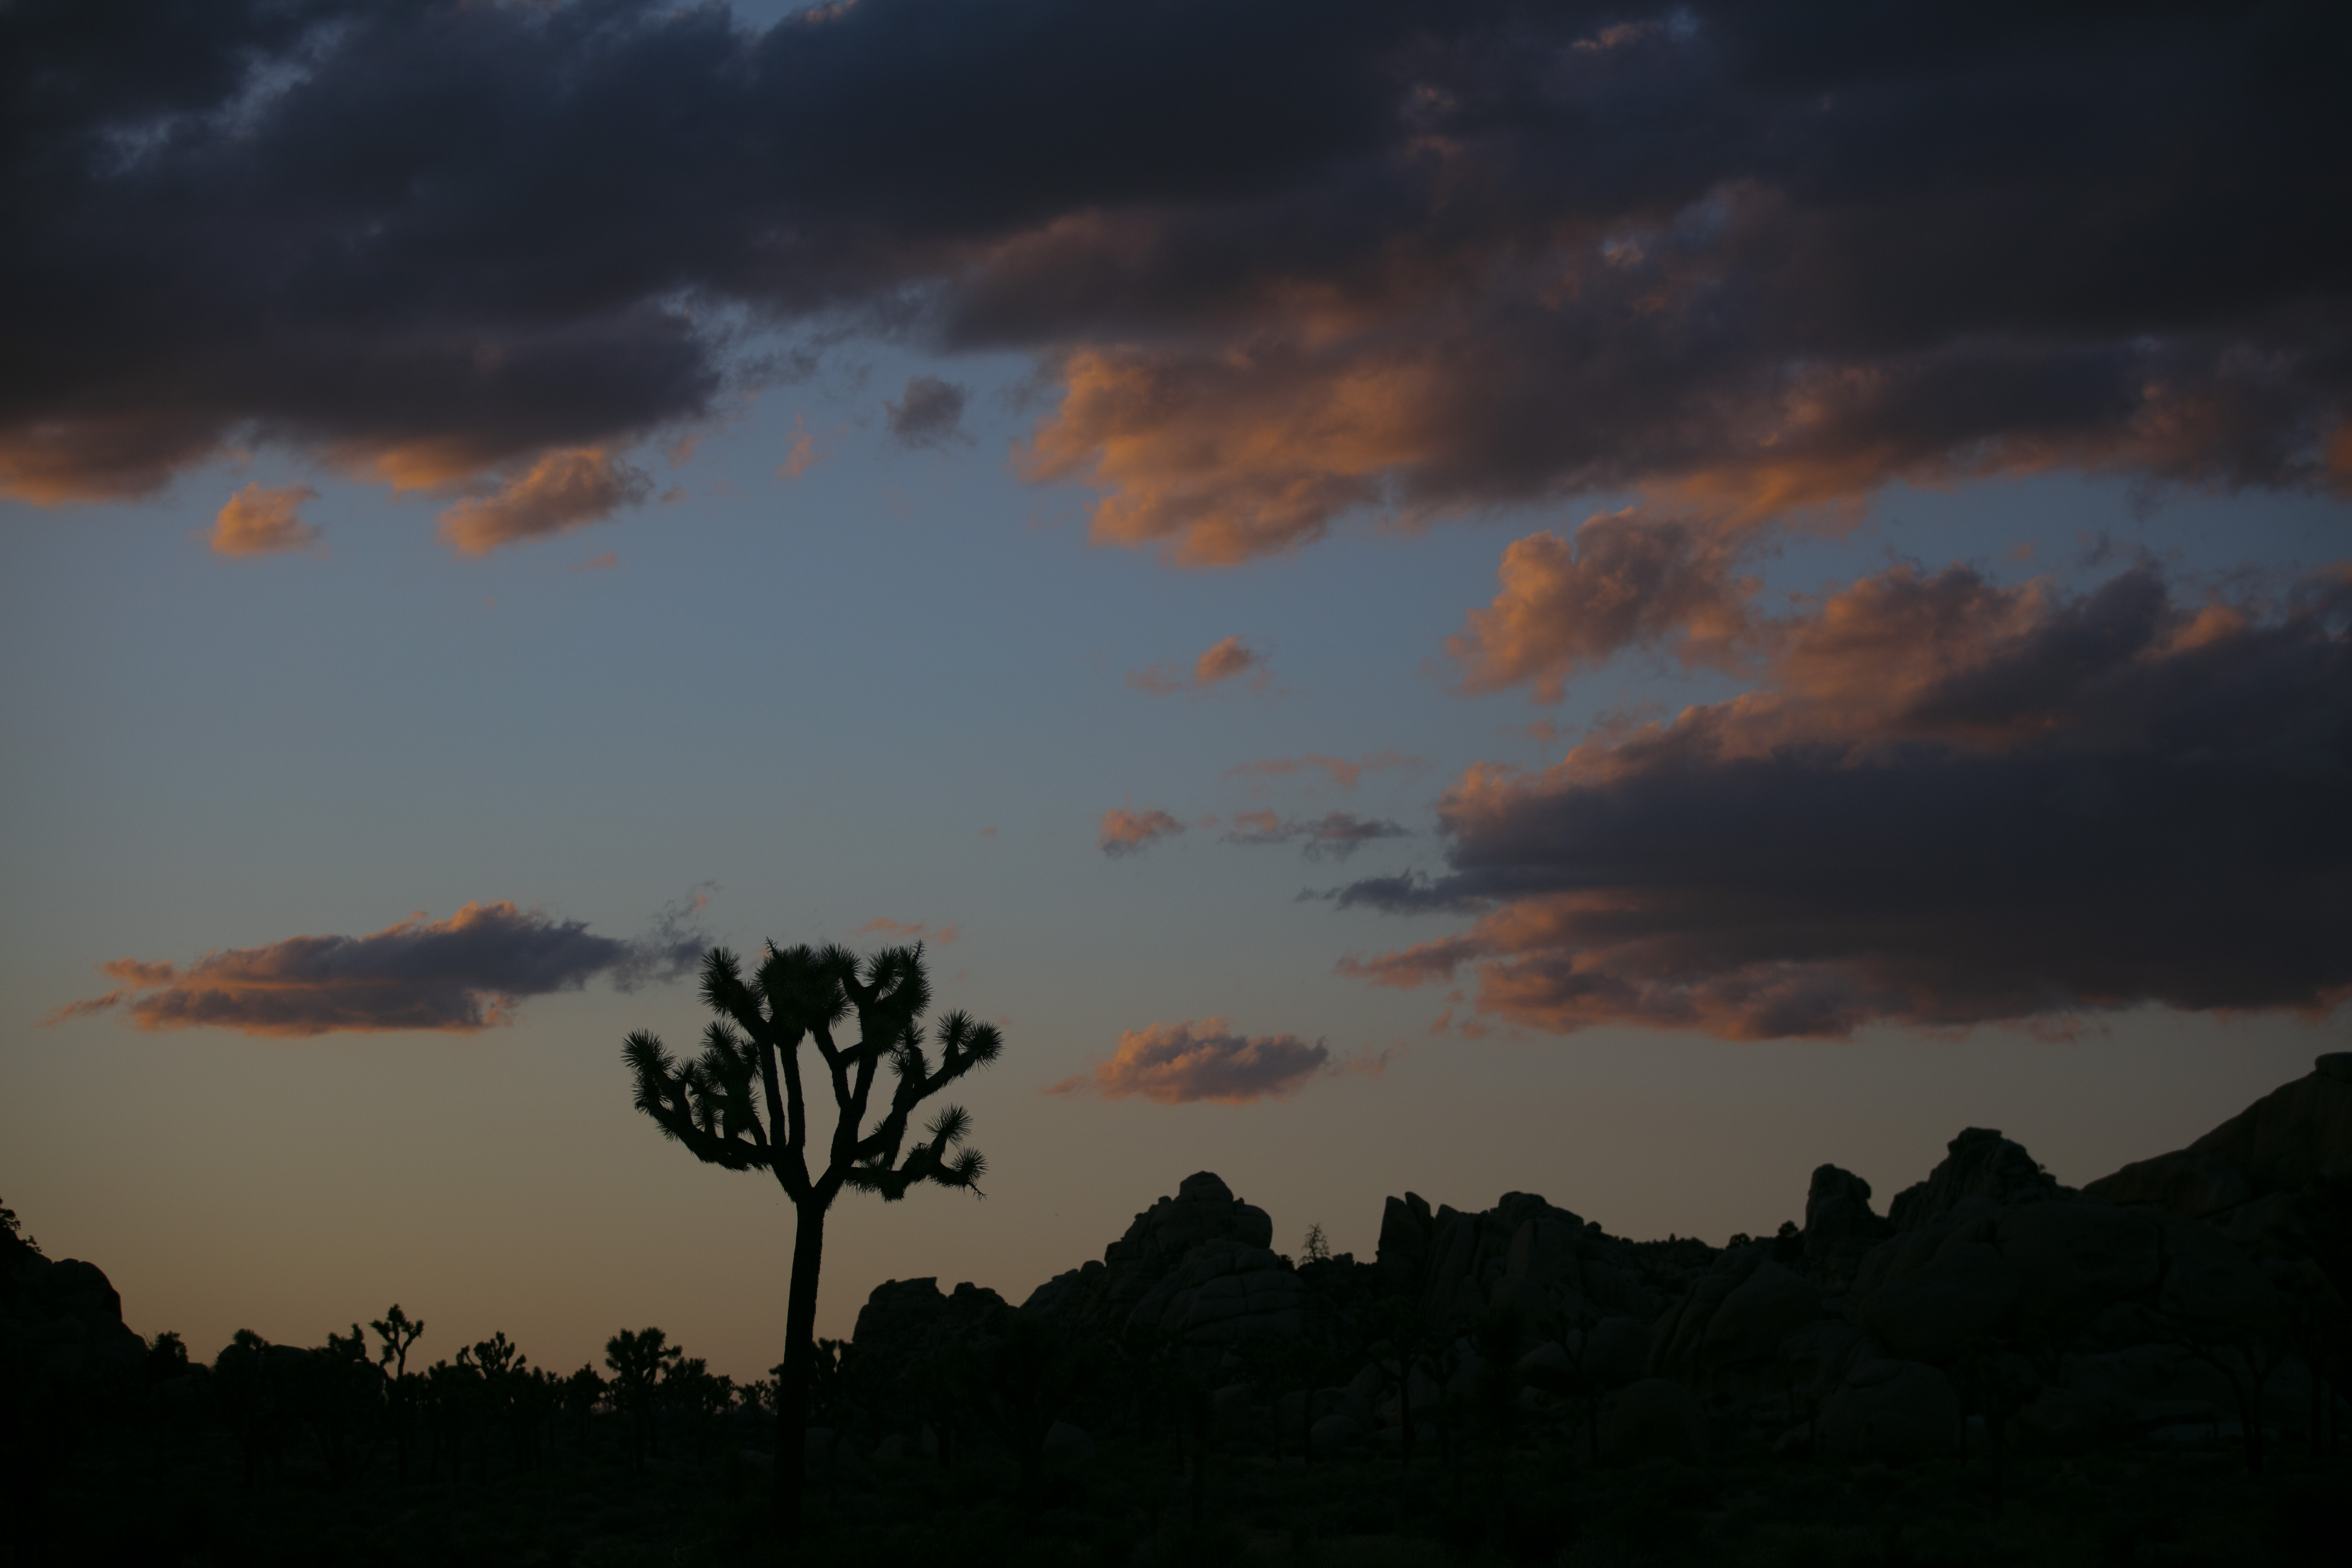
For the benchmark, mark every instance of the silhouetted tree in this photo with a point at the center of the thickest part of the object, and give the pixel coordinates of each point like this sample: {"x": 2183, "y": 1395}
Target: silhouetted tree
{"x": 638, "y": 1357}
{"x": 582, "y": 1392}
{"x": 167, "y": 1358}
{"x": 398, "y": 1333}
{"x": 740, "y": 1106}
{"x": 13, "y": 1229}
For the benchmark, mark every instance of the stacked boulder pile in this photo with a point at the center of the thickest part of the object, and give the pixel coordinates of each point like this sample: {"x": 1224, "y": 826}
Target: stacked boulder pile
{"x": 1199, "y": 1268}
{"x": 2186, "y": 1296}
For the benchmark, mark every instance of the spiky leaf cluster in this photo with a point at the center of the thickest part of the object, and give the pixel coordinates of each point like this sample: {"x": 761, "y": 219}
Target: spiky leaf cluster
{"x": 741, "y": 1103}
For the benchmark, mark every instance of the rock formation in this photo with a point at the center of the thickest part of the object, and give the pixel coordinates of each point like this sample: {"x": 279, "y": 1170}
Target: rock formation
{"x": 2160, "y": 1297}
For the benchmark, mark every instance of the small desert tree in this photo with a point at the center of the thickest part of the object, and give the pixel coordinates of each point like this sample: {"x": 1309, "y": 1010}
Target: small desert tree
{"x": 740, "y": 1106}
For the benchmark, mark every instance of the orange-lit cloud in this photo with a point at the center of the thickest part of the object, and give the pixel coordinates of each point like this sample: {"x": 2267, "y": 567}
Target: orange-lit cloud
{"x": 1124, "y": 832}
{"x": 1959, "y": 804}
{"x": 1228, "y": 659}
{"x": 263, "y": 521}
{"x": 1628, "y": 580}
{"x": 458, "y": 975}
{"x": 561, "y": 491}
{"x": 803, "y": 452}
{"x": 1219, "y": 461}
{"x": 1174, "y": 1064}
{"x": 1338, "y": 770}
{"x": 943, "y": 936}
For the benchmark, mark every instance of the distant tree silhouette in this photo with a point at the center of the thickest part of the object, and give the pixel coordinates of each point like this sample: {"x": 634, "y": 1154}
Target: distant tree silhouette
{"x": 582, "y": 1393}
{"x": 167, "y": 1358}
{"x": 398, "y": 1333}
{"x": 638, "y": 1358}
{"x": 740, "y": 1106}
{"x": 14, "y": 1229}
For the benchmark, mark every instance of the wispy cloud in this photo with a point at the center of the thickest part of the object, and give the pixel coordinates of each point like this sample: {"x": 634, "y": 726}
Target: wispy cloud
{"x": 261, "y": 521}
{"x": 1339, "y": 771}
{"x": 1230, "y": 659}
{"x": 561, "y": 491}
{"x": 1124, "y": 832}
{"x": 458, "y": 975}
{"x": 1334, "y": 836}
{"x": 1174, "y": 1064}
{"x": 930, "y": 413}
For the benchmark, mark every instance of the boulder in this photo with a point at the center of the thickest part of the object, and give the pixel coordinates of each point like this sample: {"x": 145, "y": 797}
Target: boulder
{"x": 1336, "y": 1430}
{"x": 2192, "y": 1186}
{"x": 1839, "y": 1224}
{"x": 1964, "y": 1297}
{"x": 1402, "y": 1258}
{"x": 1229, "y": 1410}
{"x": 1524, "y": 1252}
{"x": 1676, "y": 1338}
{"x": 1654, "y": 1418}
{"x": 1101, "y": 1298}
{"x": 1761, "y": 1310}
{"x": 2294, "y": 1135}
{"x": 1222, "y": 1293}
{"x": 1892, "y": 1411}
{"x": 1981, "y": 1164}
{"x": 1815, "y": 1359}
{"x": 2072, "y": 1420}
{"x": 908, "y": 1325}
{"x": 1067, "y": 1440}
{"x": 1613, "y": 1352}
{"x": 61, "y": 1331}
{"x": 2211, "y": 1288}
{"x": 2073, "y": 1259}
{"x": 2281, "y": 1143}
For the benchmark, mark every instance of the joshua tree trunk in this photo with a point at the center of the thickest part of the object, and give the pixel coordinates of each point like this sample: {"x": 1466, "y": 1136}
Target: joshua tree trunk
{"x": 792, "y": 1386}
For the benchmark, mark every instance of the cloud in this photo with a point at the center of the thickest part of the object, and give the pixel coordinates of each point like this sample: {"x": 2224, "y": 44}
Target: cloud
{"x": 943, "y": 936}
{"x": 465, "y": 974}
{"x": 1628, "y": 581}
{"x": 1228, "y": 659}
{"x": 1334, "y": 836}
{"x": 930, "y": 413}
{"x": 1429, "y": 262}
{"x": 1337, "y": 770}
{"x": 561, "y": 491}
{"x": 261, "y": 521}
{"x": 1174, "y": 1064}
{"x": 604, "y": 562}
{"x": 1124, "y": 832}
{"x": 802, "y": 453}
{"x": 1959, "y": 804}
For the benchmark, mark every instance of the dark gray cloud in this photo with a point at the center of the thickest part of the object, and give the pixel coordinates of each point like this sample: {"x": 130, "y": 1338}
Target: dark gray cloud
{"x": 458, "y": 975}
{"x": 1334, "y": 836}
{"x": 930, "y": 413}
{"x": 1423, "y": 258}
{"x": 1959, "y": 804}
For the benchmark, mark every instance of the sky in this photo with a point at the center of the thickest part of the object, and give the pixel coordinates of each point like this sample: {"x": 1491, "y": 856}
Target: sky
{"x": 1612, "y": 601}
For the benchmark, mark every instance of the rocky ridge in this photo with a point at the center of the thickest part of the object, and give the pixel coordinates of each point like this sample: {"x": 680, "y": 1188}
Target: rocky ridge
{"x": 2166, "y": 1297}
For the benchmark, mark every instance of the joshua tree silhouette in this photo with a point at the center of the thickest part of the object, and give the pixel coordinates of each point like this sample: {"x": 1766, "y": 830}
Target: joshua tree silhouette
{"x": 740, "y": 1106}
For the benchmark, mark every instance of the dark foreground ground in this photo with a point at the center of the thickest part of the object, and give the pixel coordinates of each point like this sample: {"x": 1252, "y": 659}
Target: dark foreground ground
{"x": 167, "y": 1497}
